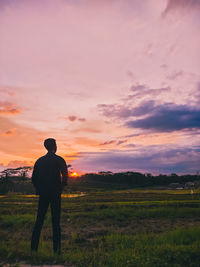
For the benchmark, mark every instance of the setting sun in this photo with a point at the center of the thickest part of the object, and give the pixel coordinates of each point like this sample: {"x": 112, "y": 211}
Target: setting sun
{"x": 74, "y": 174}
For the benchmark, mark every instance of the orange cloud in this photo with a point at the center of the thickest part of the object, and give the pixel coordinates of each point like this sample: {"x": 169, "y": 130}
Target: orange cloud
{"x": 89, "y": 130}
{"x": 24, "y": 142}
{"x": 72, "y": 156}
{"x": 86, "y": 141}
{"x": 9, "y": 132}
{"x": 8, "y": 108}
{"x": 17, "y": 163}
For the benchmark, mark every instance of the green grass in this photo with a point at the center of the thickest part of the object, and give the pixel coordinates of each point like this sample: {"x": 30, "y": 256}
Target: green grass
{"x": 115, "y": 228}
{"x": 175, "y": 248}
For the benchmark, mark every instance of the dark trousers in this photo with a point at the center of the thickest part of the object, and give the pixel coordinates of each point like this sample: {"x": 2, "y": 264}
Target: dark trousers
{"x": 55, "y": 203}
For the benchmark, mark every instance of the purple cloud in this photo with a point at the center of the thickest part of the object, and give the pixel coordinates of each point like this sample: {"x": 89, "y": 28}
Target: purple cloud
{"x": 141, "y": 90}
{"x": 73, "y": 118}
{"x": 175, "y": 75}
{"x": 152, "y": 159}
{"x": 107, "y": 143}
{"x": 114, "y": 110}
{"x": 181, "y": 4}
{"x": 117, "y": 142}
{"x": 120, "y": 111}
{"x": 127, "y": 109}
{"x": 138, "y": 87}
{"x": 168, "y": 118}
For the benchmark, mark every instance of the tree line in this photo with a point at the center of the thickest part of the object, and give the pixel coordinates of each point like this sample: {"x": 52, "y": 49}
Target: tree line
{"x": 18, "y": 180}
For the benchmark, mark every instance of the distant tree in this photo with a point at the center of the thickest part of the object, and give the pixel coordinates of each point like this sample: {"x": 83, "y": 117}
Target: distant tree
{"x": 174, "y": 175}
{"x": 70, "y": 168}
{"x": 105, "y": 173}
{"x": 15, "y": 172}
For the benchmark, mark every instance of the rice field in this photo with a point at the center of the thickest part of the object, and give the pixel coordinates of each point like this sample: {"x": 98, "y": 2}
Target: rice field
{"x": 112, "y": 228}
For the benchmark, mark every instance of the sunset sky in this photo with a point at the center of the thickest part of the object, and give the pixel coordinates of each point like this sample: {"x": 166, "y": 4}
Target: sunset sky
{"x": 115, "y": 82}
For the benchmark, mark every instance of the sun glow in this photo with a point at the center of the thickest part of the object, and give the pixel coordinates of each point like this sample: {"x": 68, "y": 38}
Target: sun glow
{"x": 74, "y": 174}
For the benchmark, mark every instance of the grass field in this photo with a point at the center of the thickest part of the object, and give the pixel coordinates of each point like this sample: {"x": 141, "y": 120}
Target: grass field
{"x": 116, "y": 228}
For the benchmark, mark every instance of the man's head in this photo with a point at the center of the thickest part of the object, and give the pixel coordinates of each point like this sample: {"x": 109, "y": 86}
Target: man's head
{"x": 50, "y": 145}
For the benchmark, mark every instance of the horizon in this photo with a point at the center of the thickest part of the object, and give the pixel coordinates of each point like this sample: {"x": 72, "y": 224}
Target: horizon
{"x": 76, "y": 174}
{"x": 116, "y": 83}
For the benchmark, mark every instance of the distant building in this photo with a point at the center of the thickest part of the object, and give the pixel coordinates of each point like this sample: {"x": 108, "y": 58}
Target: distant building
{"x": 190, "y": 185}
{"x": 175, "y": 185}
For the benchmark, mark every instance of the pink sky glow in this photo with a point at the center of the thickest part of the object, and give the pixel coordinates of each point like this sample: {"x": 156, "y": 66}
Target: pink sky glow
{"x": 115, "y": 82}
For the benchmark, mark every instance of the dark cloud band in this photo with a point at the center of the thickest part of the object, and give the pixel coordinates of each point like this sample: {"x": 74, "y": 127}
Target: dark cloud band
{"x": 168, "y": 118}
{"x": 154, "y": 159}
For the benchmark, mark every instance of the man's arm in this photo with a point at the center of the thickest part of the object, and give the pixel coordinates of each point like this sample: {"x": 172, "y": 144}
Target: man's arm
{"x": 64, "y": 172}
{"x": 34, "y": 177}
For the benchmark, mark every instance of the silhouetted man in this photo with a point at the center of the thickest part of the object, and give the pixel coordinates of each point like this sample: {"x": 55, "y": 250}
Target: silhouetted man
{"x": 49, "y": 178}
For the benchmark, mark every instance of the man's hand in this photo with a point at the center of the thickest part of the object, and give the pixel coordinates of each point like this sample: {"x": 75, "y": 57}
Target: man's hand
{"x": 64, "y": 172}
{"x": 64, "y": 183}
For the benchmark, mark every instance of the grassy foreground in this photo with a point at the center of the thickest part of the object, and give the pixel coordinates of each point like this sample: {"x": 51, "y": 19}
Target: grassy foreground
{"x": 117, "y": 228}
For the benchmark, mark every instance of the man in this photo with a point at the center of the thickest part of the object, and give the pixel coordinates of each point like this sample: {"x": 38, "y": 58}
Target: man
{"x": 49, "y": 177}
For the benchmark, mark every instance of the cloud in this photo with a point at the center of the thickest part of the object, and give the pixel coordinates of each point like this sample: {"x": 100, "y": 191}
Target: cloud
{"x": 5, "y": 90}
{"x": 73, "y": 118}
{"x": 6, "y": 3}
{"x": 24, "y": 142}
{"x": 128, "y": 108}
{"x": 114, "y": 110}
{"x": 70, "y": 157}
{"x": 87, "y": 130}
{"x": 86, "y": 141}
{"x": 181, "y": 4}
{"x": 138, "y": 87}
{"x": 175, "y": 75}
{"x": 120, "y": 111}
{"x": 10, "y": 132}
{"x": 196, "y": 93}
{"x": 15, "y": 164}
{"x": 155, "y": 159}
{"x": 130, "y": 145}
{"x": 107, "y": 143}
{"x": 19, "y": 163}
{"x": 121, "y": 142}
{"x": 8, "y": 108}
{"x": 145, "y": 108}
{"x": 168, "y": 118}
{"x": 140, "y": 91}
{"x": 81, "y": 119}
{"x": 116, "y": 142}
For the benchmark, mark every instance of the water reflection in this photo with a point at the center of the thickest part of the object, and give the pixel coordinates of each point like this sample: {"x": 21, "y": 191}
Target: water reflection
{"x": 73, "y": 195}
{"x": 32, "y": 196}
{"x": 29, "y": 196}
{"x": 62, "y": 195}
{"x": 14, "y": 203}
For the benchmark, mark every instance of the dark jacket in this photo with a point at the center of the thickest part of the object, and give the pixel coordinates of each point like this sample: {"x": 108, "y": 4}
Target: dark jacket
{"x": 50, "y": 174}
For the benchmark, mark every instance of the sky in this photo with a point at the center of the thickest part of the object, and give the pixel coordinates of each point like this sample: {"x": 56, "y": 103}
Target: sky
{"x": 115, "y": 82}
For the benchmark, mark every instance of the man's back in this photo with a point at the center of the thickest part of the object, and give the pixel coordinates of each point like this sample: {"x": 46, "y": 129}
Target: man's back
{"x": 47, "y": 174}
{"x": 49, "y": 177}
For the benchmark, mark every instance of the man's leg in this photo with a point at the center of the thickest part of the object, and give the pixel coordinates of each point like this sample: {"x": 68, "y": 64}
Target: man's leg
{"x": 42, "y": 209}
{"x": 55, "y": 215}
